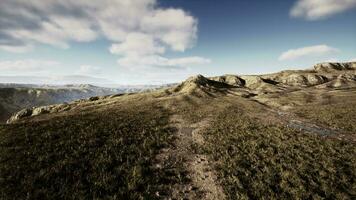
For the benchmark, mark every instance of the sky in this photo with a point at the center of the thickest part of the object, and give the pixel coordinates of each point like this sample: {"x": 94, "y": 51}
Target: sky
{"x": 166, "y": 41}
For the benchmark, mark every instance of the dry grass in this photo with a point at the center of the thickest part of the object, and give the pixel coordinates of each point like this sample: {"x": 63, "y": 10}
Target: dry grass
{"x": 103, "y": 154}
{"x": 259, "y": 161}
{"x": 108, "y": 150}
{"x": 256, "y": 161}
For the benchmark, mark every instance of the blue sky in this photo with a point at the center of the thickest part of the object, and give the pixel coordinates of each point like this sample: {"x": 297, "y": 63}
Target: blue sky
{"x": 153, "y": 42}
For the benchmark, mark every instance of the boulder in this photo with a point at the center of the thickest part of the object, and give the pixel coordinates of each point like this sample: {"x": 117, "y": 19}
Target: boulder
{"x": 20, "y": 115}
{"x": 41, "y": 110}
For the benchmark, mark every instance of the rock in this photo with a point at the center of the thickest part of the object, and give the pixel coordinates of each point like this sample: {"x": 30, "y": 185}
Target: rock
{"x": 36, "y": 111}
{"x": 198, "y": 79}
{"x": 349, "y": 77}
{"x": 295, "y": 80}
{"x": 252, "y": 81}
{"x": 304, "y": 79}
{"x": 342, "y": 80}
{"x": 41, "y": 110}
{"x": 93, "y": 98}
{"x": 20, "y": 115}
{"x": 314, "y": 79}
{"x": 229, "y": 80}
{"x": 328, "y": 67}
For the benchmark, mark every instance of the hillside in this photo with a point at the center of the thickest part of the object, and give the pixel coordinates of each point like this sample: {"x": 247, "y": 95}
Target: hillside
{"x": 15, "y": 97}
{"x": 287, "y": 135}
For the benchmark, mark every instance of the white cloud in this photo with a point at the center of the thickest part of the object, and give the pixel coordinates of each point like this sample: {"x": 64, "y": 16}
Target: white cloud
{"x": 180, "y": 36}
{"x": 137, "y": 43}
{"x": 89, "y": 70}
{"x": 310, "y": 51}
{"x": 320, "y": 9}
{"x": 332, "y": 60}
{"x": 57, "y": 22}
{"x": 352, "y": 60}
{"x": 16, "y": 49}
{"x": 56, "y": 80}
{"x": 134, "y": 62}
{"x": 27, "y": 65}
{"x": 140, "y": 31}
{"x": 188, "y": 61}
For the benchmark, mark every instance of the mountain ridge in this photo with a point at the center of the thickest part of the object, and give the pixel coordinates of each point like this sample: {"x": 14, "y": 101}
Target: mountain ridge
{"x": 324, "y": 75}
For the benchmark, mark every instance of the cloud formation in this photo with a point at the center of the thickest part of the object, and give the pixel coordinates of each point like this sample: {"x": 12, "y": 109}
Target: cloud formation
{"x": 320, "y": 9}
{"x": 136, "y": 28}
{"x": 310, "y": 51}
{"x": 89, "y": 70}
{"x": 27, "y": 65}
{"x": 135, "y": 62}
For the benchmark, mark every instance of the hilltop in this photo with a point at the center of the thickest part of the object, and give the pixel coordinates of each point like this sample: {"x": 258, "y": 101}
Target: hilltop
{"x": 16, "y": 97}
{"x": 286, "y": 135}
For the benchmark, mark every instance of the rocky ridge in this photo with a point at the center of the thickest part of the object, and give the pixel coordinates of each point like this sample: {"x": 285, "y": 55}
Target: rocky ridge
{"x": 324, "y": 75}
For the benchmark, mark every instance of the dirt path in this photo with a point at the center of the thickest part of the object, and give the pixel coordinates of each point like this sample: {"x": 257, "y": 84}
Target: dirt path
{"x": 202, "y": 182}
{"x": 276, "y": 115}
{"x": 305, "y": 125}
{"x": 291, "y": 120}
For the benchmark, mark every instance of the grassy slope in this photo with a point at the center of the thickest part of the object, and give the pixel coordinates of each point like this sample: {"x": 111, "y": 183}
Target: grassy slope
{"x": 341, "y": 116}
{"x": 334, "y": 108}
{"x": 257, "y": 161}
{"x": 337, "y": 110}
{"x": 106, "y": 153}
{"x": 109, "y": 153}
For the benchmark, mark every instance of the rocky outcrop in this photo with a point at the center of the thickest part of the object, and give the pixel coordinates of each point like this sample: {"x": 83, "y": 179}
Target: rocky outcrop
{"x": 15, "y": 99}
{"x": 191, "y": 85}
{"x": 304, "y": 79}
{"x": 232, "y": 80}
{"x": 35, "y": 111}
{"x": 341, "y": 81}
{"x": 202, "y": 86}
{"x": 20, "y": 115}
{"x": 57, "y": 108}
{"x": 325, "y": 75}
{"x": 330, "y": 67}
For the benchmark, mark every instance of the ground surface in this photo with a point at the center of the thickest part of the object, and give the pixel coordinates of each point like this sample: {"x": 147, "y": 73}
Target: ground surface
{"x": 199, "y": 140}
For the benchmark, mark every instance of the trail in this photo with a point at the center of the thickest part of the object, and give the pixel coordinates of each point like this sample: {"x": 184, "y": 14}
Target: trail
{"x": 291, "y": 120}
{"x": 305, "y": 125}
{"x": 202, "y": 182}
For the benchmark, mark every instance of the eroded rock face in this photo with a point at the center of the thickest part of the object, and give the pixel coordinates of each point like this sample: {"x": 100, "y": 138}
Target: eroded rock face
{"x": 350, "y": 77}
{"x": 252, "y": 81}
{"x": 230, "y": 80}
{"x": 242, "y": 85}
{"x": 198, "y": 79}
{"x": 56, "y": 108}
{"x": 35, "y": 111}
{"x": 329, "y": 67}
{"x": 314, "y": 79}
{"x": 304, "y": 79}
{"x": 295, "y": 80}
{"x": 41, "y": 110}
{"x": 20, "y": 115}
